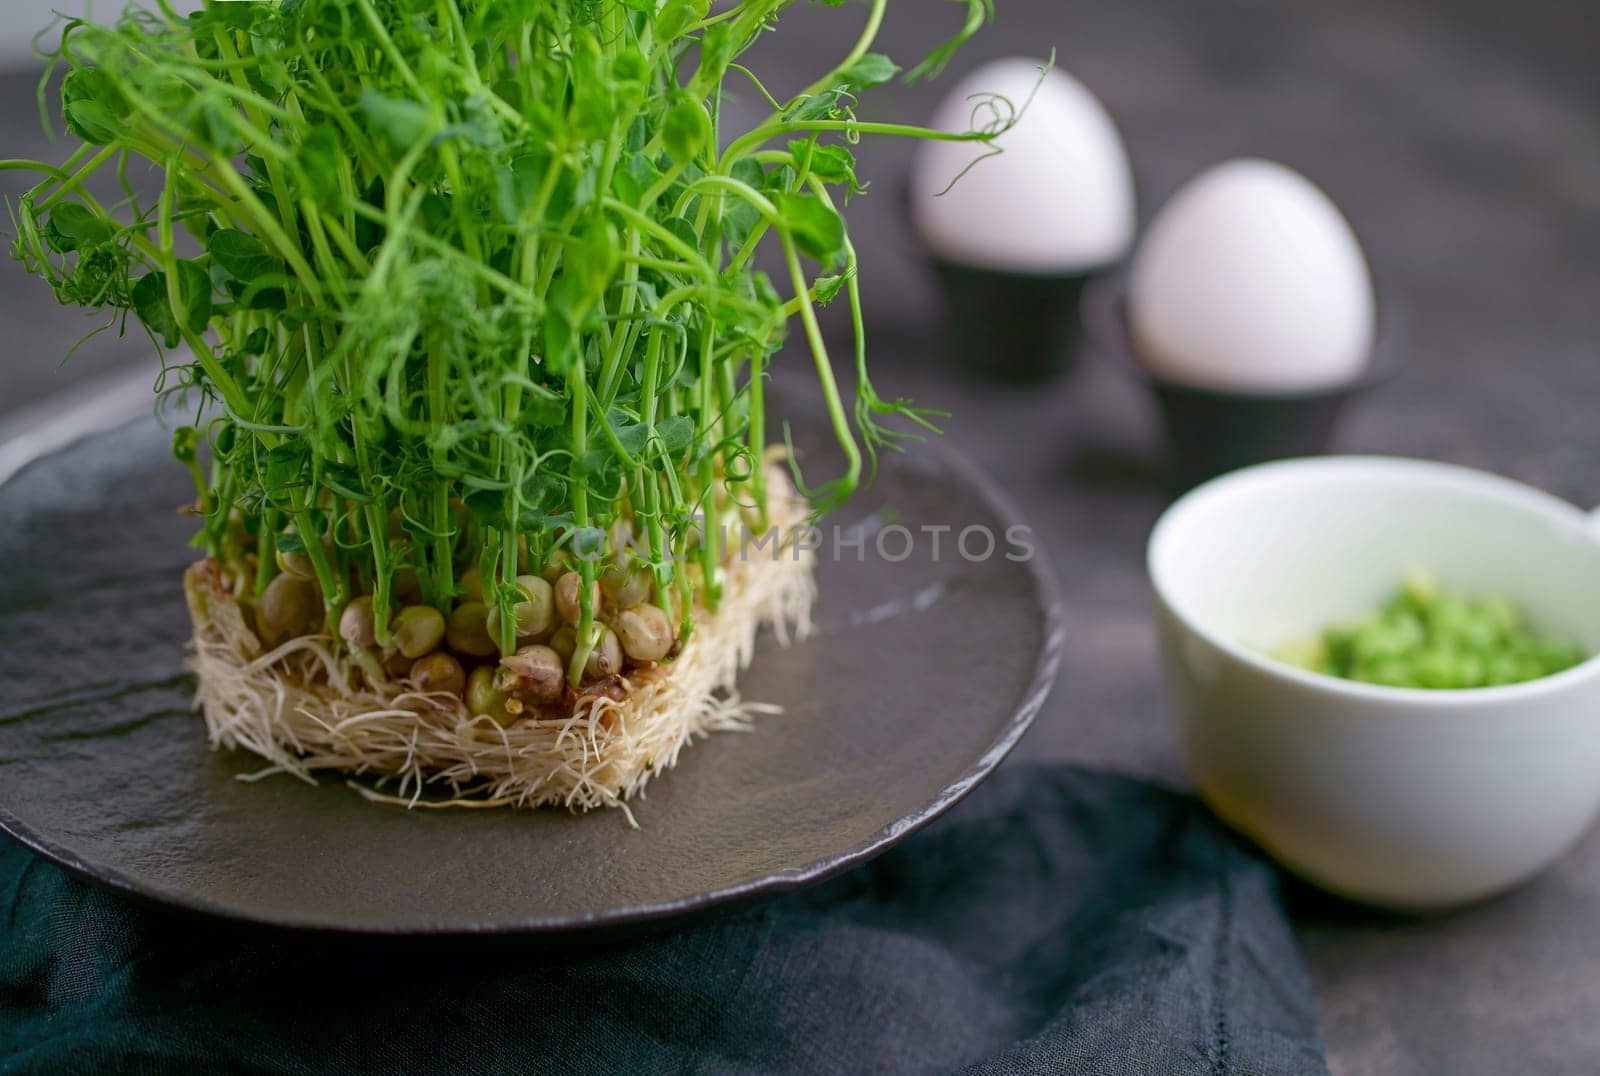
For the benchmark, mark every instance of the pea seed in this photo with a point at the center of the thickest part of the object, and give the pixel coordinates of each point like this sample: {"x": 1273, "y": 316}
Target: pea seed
{"x": 645, "y": 632}
{"x": 356, "y": 625}
{"x": 625, "y": 587}
{"x": 484, "y": 699}
{"x": 565, "y": 642}
{"x": 288, "y": 607}
{"x": 407, "y": 587}
{"x": 418, "y": 629}
{"x": 466, "y": 631}
{"x": 555, "y": 566}
{"x": 438, "y": 671}
{"x": 297, "y": 562}
{"x": 535, "y": 613}
{"x": 535, "y": 674}
{"x": 569, "y": 589}
{"x": 471, "y": 584}
{"x": 397, "y": 664}
{"x": 606, "y": 657}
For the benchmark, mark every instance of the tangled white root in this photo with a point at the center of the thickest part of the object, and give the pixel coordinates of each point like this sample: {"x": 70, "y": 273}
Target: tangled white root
{"x": 306, "y": 707}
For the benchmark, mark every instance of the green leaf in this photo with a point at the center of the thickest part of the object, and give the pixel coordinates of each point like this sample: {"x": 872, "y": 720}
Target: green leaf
{"x": 148, "y": 298}
{"x": 593, "y": 106}
{"x": 676, "y": 16}
{"x": 243, "y": 257}
{"x": 345, "y": 480}
{"x": 831, "y": 164}
{"x": 825, "y": 289}
{"x": 209, "y": 127}
{"x": 593, "y": 258}
{"x": 194, "y": 296}
{"x": 517, "y": 185}
{"x": 543, "y": 414}
{"x": 285, "y": 468}
{"x": 630, "y": 65}
{"x": 676, "y": 433}
{"x": 717, "y": 49}
{"x": 153, "y": 305}
{"x": 90, "y": 121}
{"x": 631, "y": 436}
{"x": 92, "y": 106}
{"x": 255, "y": 296}
{"x": 542, "y": 492}
{"x": 739, "y": 217}
{"x": 405, "y": 123}
{"x": 633, "y": 178}
{"x": 817, "y": 230}
{"x": 487, "y": 507}
{"x": 588, "y": 542}
{"x": 686, "y": 129}
{"x": 683, "y": 230}
{"x": 783, "y": 178}
{"x": 317, "y": 157}
{"x": 873, "y": 69}
{"x": 73, "y": 226}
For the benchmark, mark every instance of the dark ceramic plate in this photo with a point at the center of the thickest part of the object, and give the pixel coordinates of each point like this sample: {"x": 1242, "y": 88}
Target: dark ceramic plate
{"x": 891, "y": 714}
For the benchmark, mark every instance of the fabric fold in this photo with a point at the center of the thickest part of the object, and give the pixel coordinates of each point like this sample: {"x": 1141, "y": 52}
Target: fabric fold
{"x": 1057, "y": 921}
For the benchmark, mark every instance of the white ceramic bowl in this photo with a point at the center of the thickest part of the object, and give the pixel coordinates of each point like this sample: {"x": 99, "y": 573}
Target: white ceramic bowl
{"x": 1396, "y": 796}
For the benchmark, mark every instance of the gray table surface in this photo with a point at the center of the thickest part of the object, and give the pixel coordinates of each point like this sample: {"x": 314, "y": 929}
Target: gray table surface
{"x": 1466, "y": 153}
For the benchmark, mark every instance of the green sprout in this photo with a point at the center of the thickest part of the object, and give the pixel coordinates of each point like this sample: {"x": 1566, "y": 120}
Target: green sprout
{"x": 468, "y": 285}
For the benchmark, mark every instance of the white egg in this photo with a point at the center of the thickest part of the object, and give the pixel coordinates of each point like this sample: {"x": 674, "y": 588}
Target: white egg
{"x": 1060, "y": 196}
{"x": 1251, "y": 278}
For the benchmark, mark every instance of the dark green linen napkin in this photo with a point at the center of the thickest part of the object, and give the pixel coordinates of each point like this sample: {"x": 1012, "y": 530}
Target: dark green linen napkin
{"x": 1058, "y": 921}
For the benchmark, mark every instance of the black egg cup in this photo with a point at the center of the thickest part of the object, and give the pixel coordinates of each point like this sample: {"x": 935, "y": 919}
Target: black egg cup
{"x": 1005, "y": 325}
{"x": 1210, "y": 431}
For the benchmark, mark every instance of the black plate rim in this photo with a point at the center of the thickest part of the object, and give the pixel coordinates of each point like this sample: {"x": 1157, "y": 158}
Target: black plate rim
{"x": 57, "y": 436}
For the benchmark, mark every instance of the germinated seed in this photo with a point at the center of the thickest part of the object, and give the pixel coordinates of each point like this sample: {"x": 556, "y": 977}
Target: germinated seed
{"x": 569, "y": 589}
{"x": 295, "y": 563}
{"x": 535, "y": 673}
{"x": 555, "y": 566}
{"x": 645, "y": 632}
{"x": 606, "y": 657}
{"x": 471, "y": 583}
{"x": 565, "y": 642}
{"x": 356, "y": 626}
{"x": 288, "y": 607}
{"x": 397, "y": 664}
{"x": 483, "y": 698}
{"x": 467, "y": 632}
{"x": 625, "y": 586}
{"x": 535, "y": 613}
{"x": 438, "y": 671}
{"x": 407, "y": 587}
{"x": 418, "y": 629}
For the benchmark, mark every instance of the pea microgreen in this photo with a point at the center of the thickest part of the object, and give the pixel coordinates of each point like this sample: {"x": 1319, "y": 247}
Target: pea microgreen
{"x": 468, "y": 282}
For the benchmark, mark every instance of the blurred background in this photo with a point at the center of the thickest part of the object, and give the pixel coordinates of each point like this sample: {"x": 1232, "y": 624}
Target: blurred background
{"x": 1462, "y": 140}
